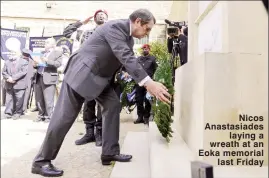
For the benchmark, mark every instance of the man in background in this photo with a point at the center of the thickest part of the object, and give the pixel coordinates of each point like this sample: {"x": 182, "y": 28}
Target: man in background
{"x": 148, "y": 62}
{"x": 47, "y": 78}
{"x": 14, "y": 72}
{"x": 182, "y": 39}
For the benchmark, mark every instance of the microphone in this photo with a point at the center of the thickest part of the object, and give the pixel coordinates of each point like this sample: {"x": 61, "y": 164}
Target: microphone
{"x": 167, "y": 21}
{"x": 175, "y": 24}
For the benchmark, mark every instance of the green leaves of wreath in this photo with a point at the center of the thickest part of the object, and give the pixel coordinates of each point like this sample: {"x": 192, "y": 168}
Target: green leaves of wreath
{"x": 163, "y": 74}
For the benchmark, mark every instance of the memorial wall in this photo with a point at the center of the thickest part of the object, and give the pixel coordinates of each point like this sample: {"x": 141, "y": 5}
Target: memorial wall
{"x": 221, "y": 98}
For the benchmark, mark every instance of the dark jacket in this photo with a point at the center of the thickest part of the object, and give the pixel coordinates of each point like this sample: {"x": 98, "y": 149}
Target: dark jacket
{"x": 149, "y": 64}
{"x": 18, "y": 75}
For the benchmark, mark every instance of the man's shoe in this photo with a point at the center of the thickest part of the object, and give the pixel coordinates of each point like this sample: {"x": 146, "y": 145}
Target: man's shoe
{"x": 146, "y": 120}
{"x": 39, "y": 119}
{"x": 34, "y": 110}
{"x": 47, "y": 170}
{"x": 87, "y": 138}
{"x": 106, "y": 159}
{"x": 46, "y": 120}
{"x": 16, "y": 116}
{"x": 98, "y": 137}
{"x": 8, "y": 116}
{"x": 139, "y": 120}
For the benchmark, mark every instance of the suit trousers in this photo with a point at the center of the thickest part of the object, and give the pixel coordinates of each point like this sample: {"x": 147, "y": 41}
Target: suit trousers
{"x": 142, "y": 111}
{"x": 44, "y": 97}
{"x": 27, "y": 97}
{"x": 69, "y": 104}
{"x": 14, "y": 101}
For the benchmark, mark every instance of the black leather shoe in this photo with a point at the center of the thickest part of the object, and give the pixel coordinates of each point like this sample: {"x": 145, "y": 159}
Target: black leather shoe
{"x": 139, "y": 120}
{"x": 8, "y": 116}
{"x": 146, "y": 120}
{"x": 85, "y": 139}
{"x": 106, "y": 159}
{"x": 47, "y": 170}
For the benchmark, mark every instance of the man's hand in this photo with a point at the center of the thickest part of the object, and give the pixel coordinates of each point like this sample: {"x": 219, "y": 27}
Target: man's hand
{"x": 87, "y": 20}
{"x": 10, "y": 80}
{"x": 35, "y": 63}
{"x": 44, "y": 59}
{"x": 158, "y": 90}
{"x": 126, "y": 75}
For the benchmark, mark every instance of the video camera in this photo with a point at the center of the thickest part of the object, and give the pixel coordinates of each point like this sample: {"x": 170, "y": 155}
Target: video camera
{"x": 174, "y": 26}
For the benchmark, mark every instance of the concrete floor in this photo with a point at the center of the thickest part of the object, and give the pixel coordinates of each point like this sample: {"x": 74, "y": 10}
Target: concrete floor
{"x": 21, "y": 140}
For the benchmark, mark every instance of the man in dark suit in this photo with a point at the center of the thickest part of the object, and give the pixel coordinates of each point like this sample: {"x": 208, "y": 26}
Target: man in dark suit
{"x": 87, "y": 77}
{"x": 14, "y": 72}
{"x": 47, "y": 78}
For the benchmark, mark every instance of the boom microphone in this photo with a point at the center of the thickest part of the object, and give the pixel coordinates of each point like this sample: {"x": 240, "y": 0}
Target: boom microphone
{"x": 167, "y": 21}
{"x": 175, "y": 24}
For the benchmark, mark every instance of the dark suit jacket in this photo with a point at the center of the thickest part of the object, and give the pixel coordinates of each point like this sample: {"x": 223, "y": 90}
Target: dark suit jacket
{"x": 90, "y": 69}
{"x": 19, "y": 75}
{"x": 50, "y": 74}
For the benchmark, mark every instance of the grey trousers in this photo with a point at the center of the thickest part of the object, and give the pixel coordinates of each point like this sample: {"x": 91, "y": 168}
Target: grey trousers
{"x": 68, "y": 107}
{"x": 14, "y": 101}
{"x": 45, "y": 98}
{"x": 27, "y": 97}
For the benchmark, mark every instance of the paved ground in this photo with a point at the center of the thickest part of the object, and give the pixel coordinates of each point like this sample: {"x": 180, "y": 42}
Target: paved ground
{"x": 21, "y": 139}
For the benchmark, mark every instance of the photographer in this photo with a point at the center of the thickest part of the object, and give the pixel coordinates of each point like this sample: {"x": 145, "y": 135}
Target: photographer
{"x": 179, "y": 35}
